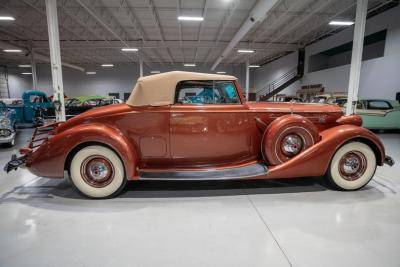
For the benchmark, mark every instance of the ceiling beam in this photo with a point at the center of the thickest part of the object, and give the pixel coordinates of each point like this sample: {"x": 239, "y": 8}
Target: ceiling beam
{"x": 178, "y": 13}
{"x": 37, "y": 55}
{"x": 156, "y": 19}
{"x": 43, "y": 12}
{"x": 125, "y": 5}
{"x": 256, "y": 15}
{"x": 199, "y": 33}
{"x": 99, "y": 17}
{"x": 224, "y": 24}
{"x": 278, "y": 18}
{"x": 259, "y": 46}
{"x": 296, "y": 23}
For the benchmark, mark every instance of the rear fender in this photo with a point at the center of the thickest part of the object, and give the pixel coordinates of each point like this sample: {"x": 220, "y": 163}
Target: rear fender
{"x": 51, "y": 157}
{"x": 315, "y": 160}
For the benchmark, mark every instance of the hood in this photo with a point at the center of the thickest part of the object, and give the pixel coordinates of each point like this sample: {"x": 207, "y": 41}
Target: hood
{"x": 293, "y": 107}
{"x": 93, "y": 114}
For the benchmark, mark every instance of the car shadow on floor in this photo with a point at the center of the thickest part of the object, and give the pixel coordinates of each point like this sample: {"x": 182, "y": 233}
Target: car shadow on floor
{"x": 55, "y": 188}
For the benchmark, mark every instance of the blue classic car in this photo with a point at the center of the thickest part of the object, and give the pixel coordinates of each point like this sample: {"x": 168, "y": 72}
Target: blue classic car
{"x": 33, "y": 107}
{"x": 7, "y": 124}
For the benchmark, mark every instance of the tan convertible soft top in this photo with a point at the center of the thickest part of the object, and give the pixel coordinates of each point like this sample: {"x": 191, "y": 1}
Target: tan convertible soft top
{"x": 159, "y": 89}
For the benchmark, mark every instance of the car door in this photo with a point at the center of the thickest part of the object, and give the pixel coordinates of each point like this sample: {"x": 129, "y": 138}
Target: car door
{"x": 208, "y": 124}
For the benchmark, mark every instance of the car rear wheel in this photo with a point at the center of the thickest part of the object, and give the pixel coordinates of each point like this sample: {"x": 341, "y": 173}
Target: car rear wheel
{"x": 352, "y": 166}
{"x": 97, "y": 172}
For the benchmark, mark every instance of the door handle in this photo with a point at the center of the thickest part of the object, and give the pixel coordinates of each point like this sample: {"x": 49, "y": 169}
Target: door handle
{"x": 177, "y": 114}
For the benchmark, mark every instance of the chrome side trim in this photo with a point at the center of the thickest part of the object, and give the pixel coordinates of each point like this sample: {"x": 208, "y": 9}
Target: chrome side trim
{"x": 253, "y": 170}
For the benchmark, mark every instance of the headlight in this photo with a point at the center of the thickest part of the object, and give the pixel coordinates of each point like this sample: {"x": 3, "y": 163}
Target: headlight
{"x": 5, "y": 133}
{"x": 4, "y": 122}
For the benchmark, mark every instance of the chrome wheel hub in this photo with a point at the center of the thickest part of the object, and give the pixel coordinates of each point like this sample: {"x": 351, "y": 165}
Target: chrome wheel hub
{"x": 292, "y": 145}
{"x": 352, "y": 165}
{"x": 97, "y": 171}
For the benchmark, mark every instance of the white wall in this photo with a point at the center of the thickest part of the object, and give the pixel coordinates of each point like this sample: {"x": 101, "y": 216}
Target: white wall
{"x": 18, "y": 83}
{"x": 380, "y": 77}
{"x": 120, "y": 78}
{"x": 106, "y": 80}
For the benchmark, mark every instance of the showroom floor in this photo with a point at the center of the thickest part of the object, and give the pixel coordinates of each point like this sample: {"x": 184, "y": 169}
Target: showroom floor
{"x": 44, "y": 222}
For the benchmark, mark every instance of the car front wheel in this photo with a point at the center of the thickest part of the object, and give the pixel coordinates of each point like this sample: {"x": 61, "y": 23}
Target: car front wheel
{"x": 97, "y": 172}
{"x": 352, "y": 166}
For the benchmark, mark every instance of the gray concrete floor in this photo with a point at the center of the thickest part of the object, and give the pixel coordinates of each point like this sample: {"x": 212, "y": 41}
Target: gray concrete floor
{"x": 43, "y": 222}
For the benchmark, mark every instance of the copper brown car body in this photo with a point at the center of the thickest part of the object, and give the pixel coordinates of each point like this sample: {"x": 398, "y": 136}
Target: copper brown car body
{"x": 199, "y": 138}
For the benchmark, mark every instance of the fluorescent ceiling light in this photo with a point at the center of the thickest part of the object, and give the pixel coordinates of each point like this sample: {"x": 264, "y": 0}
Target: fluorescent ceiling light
{"x": 129, "y": 49}
{"x": 12, "y": 50}
{"x": 155, "y": 71}
{"x": 245, "y": 51}
{"x": 107, "y": 65}
{"x": 254, "y": 66}
{"x": 6, "y": 18}
{"x": 341, "y": 23}
{"x": 27, "y": 73}
{"x": 24, "y": 66}
{"x": 189, "y": 65}
{"x": 221, "y": 72}
{"x": 188, "y": 18}
{"x": 90, "y": 72}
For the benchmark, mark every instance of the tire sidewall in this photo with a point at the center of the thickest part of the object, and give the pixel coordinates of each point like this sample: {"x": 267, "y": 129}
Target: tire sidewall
{"x": 334, "y": 175}
{"x": 87, "y": 190}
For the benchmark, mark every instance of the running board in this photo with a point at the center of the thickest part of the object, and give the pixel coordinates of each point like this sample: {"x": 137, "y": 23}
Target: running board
{"x": 252, "y": 170}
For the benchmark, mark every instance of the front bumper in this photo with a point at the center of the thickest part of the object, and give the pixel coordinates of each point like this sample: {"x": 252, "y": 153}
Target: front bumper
{"x": 14, "y": 163}
{"x": 389, "y": 160}
{"x": 7, "y": 139}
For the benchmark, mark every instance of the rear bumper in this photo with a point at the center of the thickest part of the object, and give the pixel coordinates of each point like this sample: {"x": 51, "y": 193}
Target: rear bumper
{"x": 14, "y": 163}
{"x": 389, "y": 160}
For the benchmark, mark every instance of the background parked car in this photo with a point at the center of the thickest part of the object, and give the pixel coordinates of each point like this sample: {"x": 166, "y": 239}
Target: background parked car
{"x": 32, "y": 108}
{"x": 77, "y": 105}
{"x": 378, "y": 114}
{"x": 288, "y": 98}
{"x": 7, "y": 124}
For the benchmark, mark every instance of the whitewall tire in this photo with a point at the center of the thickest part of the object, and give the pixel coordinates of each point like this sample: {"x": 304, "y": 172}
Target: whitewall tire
{"x": 352, "y": 166}
{"x": 97, "y": 172}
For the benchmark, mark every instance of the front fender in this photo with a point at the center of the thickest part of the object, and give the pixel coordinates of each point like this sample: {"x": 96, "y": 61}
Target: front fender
{"x": 49, "y": 160}
{"x": 315, "y": 160}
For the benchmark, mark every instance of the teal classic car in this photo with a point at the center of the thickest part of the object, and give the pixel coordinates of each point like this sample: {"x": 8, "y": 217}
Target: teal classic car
{"x": 32, "y": 108}
{"x": 7, "y": 125}
{"x": 377, "y": 114}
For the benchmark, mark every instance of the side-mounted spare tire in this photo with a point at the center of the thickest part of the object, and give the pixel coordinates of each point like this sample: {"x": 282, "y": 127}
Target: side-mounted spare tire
{"x": 286, "y": 137}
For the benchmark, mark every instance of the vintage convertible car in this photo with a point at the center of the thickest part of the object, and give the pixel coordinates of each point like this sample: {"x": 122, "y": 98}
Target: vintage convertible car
{"x": 195, "y": 126}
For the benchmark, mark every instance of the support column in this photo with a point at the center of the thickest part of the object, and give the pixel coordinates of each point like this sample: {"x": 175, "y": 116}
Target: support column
{"x": 55, "y": 58}
{"x": 356, "y": 56}
{"x": 247, "y": 79}
{"x": 141, "y": 67}
{"x": 34, "y": 75}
